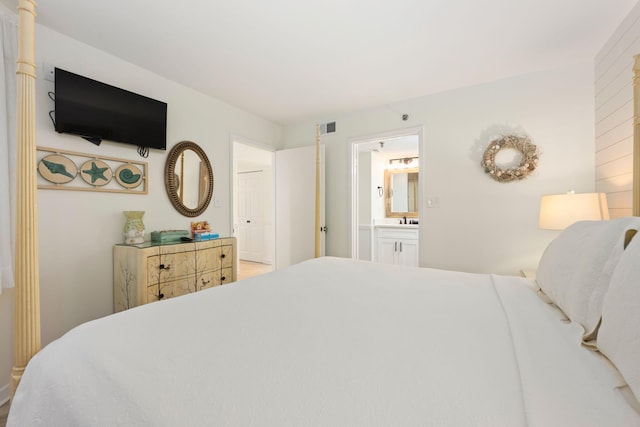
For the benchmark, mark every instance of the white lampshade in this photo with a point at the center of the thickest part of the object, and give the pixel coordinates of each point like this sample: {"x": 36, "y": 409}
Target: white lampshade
{"x": 558, "y": 211}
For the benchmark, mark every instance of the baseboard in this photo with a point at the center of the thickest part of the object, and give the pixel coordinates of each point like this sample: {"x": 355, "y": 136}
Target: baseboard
{"x": 4, "y": 394}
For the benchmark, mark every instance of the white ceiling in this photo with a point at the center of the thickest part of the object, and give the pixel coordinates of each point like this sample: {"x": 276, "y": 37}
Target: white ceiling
{"x": 286, "y": 60}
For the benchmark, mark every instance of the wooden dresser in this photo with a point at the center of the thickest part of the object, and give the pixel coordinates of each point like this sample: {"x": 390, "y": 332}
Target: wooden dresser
{"x": 151, "y": 271}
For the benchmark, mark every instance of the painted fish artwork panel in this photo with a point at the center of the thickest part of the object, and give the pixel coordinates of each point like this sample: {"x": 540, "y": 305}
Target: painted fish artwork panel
{"x": 57, "y": 169}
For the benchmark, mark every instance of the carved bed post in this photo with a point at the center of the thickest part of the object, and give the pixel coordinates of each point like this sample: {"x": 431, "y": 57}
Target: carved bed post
{"x": 27, "y": 291}
{"x": 636, "y": 137}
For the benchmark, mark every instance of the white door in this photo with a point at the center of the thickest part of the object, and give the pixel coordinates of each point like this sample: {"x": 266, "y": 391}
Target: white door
{"x": 250, "y": 216}
{"x": 295, "y": 204}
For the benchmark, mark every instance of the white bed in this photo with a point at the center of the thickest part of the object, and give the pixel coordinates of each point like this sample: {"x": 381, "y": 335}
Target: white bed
{"x": 331, "y": 342}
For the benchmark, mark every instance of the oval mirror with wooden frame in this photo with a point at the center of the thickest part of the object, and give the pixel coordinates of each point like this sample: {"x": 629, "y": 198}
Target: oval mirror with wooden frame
{"x": 188, "y": 178}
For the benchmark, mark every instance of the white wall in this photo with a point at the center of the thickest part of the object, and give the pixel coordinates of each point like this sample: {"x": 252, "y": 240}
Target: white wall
{"x": 6, "y": 318}
{"x": 614, "y": 114}
{"x": 481, "y": 225}
{"x": 365, "y": 206}
{"x": 365, "y": 183}
{"x": 371, "y": 167}
{"x": 378, "y": 163}
{"x": 77, "y": 230}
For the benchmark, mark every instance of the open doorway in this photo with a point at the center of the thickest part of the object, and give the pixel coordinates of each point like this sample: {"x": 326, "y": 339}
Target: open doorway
{"x": 253, "y": 212}
{"x": 384, "y": 228}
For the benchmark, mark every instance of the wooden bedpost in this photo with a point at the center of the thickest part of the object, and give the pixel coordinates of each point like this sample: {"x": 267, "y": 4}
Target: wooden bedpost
{"x": 27, "y": 282}
{"x": 318, "y": 219}
{"x": 636, "y": 137}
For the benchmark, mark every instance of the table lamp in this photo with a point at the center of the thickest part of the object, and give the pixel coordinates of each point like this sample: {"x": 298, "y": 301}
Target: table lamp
{"x": 558, "y": 211}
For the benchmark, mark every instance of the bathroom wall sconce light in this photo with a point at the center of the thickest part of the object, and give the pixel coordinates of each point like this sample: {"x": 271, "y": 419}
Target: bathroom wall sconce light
{"x": 404, "y": 163}
{"x": 380, "y": 191}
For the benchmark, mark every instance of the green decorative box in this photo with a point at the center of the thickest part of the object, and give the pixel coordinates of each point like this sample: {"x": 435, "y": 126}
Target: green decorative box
{"x": 169, "y": 236}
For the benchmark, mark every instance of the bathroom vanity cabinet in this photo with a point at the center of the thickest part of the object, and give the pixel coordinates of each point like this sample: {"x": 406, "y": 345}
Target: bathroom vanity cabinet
{"x": 397, "y": 244}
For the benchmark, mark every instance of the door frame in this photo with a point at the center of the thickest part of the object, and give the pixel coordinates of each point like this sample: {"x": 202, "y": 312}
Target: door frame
{"x": 352, "y": 147}
{"x": 270, "y": 246}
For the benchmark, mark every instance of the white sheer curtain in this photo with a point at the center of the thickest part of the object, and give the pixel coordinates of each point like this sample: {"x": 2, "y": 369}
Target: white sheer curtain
{"x": 9, "y": 46}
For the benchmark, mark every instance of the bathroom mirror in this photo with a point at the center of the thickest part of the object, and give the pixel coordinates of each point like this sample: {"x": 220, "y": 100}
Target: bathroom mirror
{"x": 188, "y": 178}
{"x": 401, "y": 195}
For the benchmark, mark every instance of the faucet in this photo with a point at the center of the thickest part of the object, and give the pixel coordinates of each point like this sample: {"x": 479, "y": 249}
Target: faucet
{"x": 405, "y": 219}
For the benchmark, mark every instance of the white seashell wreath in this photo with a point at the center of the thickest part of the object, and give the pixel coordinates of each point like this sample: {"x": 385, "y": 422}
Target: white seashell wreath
{"x": 523, "y": 145}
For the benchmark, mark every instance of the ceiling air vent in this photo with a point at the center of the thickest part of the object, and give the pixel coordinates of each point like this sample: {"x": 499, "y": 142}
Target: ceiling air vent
{"x": 329, "y": 127}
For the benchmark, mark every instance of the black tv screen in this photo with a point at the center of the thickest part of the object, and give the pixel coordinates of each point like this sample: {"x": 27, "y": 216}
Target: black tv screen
{"x": 97, "y": 111}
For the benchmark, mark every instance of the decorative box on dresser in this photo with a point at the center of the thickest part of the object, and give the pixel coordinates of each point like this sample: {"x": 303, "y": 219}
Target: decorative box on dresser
{"x": 152, "y": 271}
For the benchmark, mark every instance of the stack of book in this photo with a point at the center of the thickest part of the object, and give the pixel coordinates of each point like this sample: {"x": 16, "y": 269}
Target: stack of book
{"x": 201, "y": 231}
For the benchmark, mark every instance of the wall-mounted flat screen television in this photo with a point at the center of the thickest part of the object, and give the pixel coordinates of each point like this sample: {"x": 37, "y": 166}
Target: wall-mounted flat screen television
{"x": 98, "y": 111}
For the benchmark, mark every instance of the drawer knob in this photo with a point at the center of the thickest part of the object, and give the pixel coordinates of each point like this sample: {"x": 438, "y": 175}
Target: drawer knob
{"x": 160, "y": 296}
{"x": 222, "y": 256}
{"x": 222, "y": 279}
{"x": 165, "y": 267}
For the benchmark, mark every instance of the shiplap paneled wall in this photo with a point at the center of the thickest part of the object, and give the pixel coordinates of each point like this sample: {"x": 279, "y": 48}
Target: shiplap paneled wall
{"x": 614, "y": 114}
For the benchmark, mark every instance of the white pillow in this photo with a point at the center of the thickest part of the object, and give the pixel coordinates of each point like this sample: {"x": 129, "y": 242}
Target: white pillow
{"x": 619, "y": 335}
{"x": 576, "y": 268}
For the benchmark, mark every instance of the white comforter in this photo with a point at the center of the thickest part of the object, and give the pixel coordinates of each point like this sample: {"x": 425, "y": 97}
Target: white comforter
{"x": 329, "y": 342}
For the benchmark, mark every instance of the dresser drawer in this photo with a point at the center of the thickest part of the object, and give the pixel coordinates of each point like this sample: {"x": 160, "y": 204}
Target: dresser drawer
{"x": 153, "y": 294}
{"x": 226, "y": 275}
{"x": 168, "y": 267}
{"x": 209, "y": 280}
{"x": 225, "y": 256}
{"x": 181, "y": 286}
